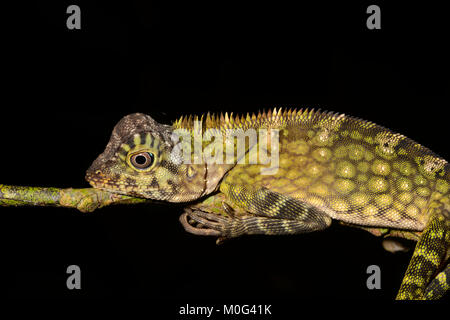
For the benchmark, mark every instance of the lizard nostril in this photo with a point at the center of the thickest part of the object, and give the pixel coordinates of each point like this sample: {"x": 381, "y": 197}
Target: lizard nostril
{"x": 98, "y": 172}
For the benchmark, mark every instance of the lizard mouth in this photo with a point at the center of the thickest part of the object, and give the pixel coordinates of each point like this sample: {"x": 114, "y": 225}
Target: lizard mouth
{"x": 99, "y": 181}
{"x": 95, "y": 181}
{"x": 124, "y": 187}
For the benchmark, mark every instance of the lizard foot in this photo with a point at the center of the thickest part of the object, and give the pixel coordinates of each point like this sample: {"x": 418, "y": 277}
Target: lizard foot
{"x": 203, "y": 223}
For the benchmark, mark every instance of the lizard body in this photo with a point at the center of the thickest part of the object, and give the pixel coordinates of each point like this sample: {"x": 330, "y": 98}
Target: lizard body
{"x": 329, "y": 167}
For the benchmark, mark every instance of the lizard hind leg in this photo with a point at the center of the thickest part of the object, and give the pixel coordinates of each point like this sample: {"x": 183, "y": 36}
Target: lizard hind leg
{"x": 419, "y": 282}
{"x": 439, "y": 285}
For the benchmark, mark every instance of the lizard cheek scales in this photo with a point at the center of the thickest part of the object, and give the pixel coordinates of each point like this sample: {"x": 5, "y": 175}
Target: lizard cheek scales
{"x": 330, "y": 167}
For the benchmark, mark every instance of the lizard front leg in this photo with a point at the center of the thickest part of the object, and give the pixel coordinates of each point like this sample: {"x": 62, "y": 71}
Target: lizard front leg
{"x": 210, "y": 217}
{"x": 266, "y": 212}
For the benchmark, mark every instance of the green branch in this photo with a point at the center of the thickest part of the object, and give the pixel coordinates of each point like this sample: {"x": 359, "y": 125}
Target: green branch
{"x": 85, "y": 200}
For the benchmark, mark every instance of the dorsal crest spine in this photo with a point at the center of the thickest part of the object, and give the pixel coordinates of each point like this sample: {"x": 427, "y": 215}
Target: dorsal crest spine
{"x": 274, "y": 118}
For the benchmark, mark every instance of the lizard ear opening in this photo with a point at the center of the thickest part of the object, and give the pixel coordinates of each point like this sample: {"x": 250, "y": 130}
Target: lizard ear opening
{"x": 190, "y": 172}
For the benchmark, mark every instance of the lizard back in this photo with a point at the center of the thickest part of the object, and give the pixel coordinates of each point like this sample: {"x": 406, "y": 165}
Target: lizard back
{"x": 356, "y": 171}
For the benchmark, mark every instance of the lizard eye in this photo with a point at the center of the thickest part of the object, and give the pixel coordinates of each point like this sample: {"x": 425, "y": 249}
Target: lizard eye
{"x": 142, "y": 160}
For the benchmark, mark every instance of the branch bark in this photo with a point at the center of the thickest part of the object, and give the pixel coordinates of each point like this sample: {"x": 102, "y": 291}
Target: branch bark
{"x": 85, "y": 200}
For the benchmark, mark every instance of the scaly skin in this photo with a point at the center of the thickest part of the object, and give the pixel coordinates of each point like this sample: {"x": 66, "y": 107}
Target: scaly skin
{"x": 330, "y": 167}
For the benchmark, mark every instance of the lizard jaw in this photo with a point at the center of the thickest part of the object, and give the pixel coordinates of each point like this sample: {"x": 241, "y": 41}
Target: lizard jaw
{"x": 99, "y": 182}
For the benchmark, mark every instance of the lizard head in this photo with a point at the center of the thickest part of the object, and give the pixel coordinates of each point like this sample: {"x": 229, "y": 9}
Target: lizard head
{"x": 141, "y": 160}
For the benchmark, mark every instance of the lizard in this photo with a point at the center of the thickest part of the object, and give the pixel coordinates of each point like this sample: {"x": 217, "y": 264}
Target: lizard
{"x": 330, "y": 167}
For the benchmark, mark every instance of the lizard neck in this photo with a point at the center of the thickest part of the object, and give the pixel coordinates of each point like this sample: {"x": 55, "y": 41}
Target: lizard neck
{"x": 223, "y": 141}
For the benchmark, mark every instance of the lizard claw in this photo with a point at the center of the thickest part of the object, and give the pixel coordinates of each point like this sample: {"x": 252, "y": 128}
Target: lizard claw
{"x": 207, "y": 224}
{"x": 189, "y": 227}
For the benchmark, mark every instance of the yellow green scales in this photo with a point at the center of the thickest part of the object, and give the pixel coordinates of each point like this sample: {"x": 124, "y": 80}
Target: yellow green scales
{"x": 331, "y": 166}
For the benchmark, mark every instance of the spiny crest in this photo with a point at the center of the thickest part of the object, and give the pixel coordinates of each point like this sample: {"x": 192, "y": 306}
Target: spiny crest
{"x": 273, "y": 118}
{"x": 307, "y": 118}
{"x": 278, "y": 118}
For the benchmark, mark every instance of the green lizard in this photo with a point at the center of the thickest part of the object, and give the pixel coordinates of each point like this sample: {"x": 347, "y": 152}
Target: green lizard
{"x": 330, "y": 166}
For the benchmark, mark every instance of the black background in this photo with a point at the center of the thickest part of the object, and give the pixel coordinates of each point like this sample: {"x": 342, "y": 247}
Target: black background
{"x": 64, "y": 90}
